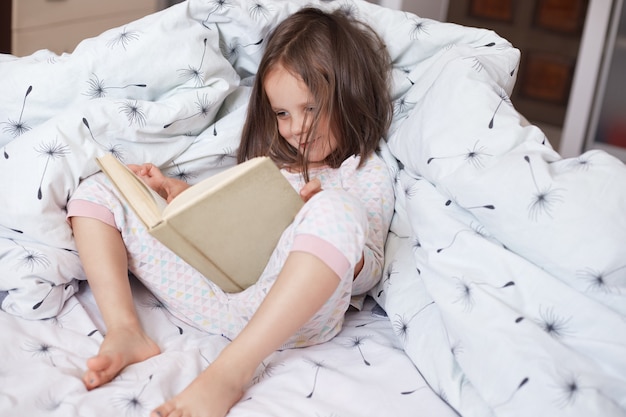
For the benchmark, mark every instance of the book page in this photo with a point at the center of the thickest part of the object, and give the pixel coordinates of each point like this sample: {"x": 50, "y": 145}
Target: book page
{"x": 219, "y": 180}
{"x": 147, "y": 203}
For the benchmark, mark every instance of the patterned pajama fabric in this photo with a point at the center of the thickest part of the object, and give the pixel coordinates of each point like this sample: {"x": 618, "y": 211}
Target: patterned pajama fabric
{"x": 351, "y": 216}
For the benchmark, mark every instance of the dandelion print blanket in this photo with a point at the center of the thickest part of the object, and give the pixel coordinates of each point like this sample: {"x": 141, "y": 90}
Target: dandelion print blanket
{"x": 504, "y": 287}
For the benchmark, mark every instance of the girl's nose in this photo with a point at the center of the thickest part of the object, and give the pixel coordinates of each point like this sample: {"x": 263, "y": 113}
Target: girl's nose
{"x": 298, "y": 125}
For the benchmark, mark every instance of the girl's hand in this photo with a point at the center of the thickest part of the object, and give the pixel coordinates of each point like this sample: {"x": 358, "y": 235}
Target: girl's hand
{"x": 310, "y": 189}
{"x": 166, "y": 187}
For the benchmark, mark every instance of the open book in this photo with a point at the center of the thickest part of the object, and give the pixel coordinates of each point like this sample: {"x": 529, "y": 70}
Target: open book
{"x": 226, "y": 226}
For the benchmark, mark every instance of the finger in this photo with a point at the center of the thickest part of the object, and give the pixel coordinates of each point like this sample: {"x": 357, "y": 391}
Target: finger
{"x": 310, "y": 189}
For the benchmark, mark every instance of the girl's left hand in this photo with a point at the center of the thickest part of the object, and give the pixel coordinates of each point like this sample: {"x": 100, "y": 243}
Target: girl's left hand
{"x": 310, "y": 189}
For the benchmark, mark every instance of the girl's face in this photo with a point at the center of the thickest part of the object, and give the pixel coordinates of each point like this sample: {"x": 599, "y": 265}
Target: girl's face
{"x": 294, "y": 106}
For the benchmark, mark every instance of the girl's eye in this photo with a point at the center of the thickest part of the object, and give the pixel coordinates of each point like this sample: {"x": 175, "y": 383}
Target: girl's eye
{"x": 310, "y": 109}
{"x": 281, "y": 114}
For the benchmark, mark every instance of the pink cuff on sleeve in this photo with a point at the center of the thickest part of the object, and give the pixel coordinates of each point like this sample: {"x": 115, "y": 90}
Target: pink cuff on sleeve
{"x": 325, "y": 251}
{"x": 84, "y": 208}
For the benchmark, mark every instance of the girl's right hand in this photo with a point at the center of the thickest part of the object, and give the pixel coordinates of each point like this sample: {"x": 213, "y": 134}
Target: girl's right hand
{"x": 166, "y": 187}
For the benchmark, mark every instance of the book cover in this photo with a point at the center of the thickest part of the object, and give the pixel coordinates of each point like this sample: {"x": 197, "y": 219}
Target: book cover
{"x": 225, "y": 226}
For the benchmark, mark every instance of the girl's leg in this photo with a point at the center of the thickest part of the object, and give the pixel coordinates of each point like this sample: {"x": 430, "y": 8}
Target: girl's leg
{"x": 103, "y": 255}
{"x": 308, "y": 298}
{"x": 303, "y": 286}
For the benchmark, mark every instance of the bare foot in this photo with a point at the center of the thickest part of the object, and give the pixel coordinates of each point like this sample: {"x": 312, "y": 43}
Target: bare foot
{"x": 120, "y": 348}
{"x": 211, "y": 394}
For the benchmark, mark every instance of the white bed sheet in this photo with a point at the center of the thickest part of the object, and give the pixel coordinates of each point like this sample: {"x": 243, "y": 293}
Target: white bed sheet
{"x": 362, "y": 372}
{"x": 505, "y": 276}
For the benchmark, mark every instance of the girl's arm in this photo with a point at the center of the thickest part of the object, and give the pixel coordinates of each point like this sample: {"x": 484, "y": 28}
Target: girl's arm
{"x": 373, "y": 185}
{"x": 309, "y": 190}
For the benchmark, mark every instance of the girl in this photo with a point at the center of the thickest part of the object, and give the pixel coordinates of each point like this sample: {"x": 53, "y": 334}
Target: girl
{"x": 319, "y": 107}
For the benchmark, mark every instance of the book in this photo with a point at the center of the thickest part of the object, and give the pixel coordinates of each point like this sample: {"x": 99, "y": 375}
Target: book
{"x": 225, "y": 226}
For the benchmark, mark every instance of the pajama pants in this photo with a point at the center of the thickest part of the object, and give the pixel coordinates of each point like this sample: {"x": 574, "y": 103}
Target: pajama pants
{"x": 332, "y": 226}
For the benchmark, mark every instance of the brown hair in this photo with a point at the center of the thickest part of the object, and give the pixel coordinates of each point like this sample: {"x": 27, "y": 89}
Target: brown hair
{"x": 345, "y": 65}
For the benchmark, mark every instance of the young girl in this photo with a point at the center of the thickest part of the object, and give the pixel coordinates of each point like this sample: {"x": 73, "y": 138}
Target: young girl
{"x": 319, "y": 107}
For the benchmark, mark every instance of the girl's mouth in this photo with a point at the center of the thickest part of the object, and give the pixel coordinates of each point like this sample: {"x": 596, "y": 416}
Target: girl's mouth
{"x": 305, "y": 144}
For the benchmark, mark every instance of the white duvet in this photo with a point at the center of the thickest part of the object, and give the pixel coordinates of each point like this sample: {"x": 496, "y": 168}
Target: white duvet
{"x": 506, "y": 264}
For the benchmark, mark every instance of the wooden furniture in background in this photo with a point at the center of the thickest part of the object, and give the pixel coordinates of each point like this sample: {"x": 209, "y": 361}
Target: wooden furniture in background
{"x": 5, "y": 27}
{"x": 59, "y": 25}
{"x": 548, "y": 34}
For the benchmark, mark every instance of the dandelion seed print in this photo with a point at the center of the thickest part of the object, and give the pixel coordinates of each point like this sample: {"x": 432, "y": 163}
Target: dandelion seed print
{"x": 413, "y": 391}
{"x": 477, "y": 65}
{"x": 133, "y": 113}
{"x": 484, "y": 206}
{"x": 11, "y": 229}
{"x": 133, "y": 403}
{"x": 410, "y": 189}
{"x": 317, "y": 365}
{"x": 267, "y": 371}
{"x": 123, "y": 39}
{"x": 231, "y": 51}
{"x": 258, "y": 11}
{"x": 218, "y": 6}
{"x": 19, "y": 127}
{"x": 401, "y": 323}
{"x": 182, "y": 175}
{"x": 49, "y": 403}
{"x": 466, "y": 291}
{"x": 466, "y": 294}
{"x": 418, "y": 27}
{"x": 569, "y": 388}
{"x": 115, "y": 150}
{"x": 544, "y": 199}
{"x": 598, "y": 280}
{"x": 97, "y": 89}
{"x": 31, "y": 258}
{"x": 504, "y": 98}
{"x": 556, "y": 326}
{"x": 389, "y": 272}
{"x": 203, "y": 105}
{"x": 415, "y": 243}
{"x": 407, "y": 75}
{"x": 473, "y": 156}
{"x": 456, "y": 235}
{"x": 155, "y": 304}
{"x": 195, "y": 73}
{"x": 583, "y": 162}
{"x": 53, "y": 286}
{"x": 401, "y": 107}
{"x": 357, "y": 342}
{"x": 40, "y": 350}
{"x": 522, "y": 383}
{"x": 51, "y": 151}
{"x": 227, "y": 153}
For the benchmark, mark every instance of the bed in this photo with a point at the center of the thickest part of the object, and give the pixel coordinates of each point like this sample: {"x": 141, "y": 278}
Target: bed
{"x": 505, "y": 277}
